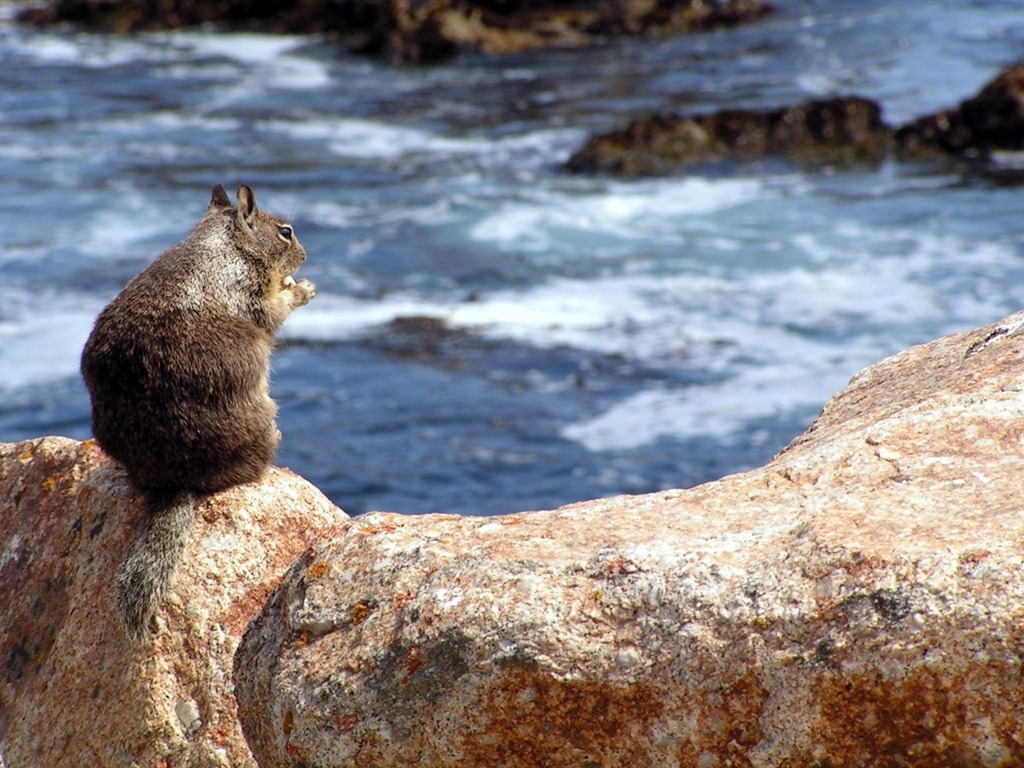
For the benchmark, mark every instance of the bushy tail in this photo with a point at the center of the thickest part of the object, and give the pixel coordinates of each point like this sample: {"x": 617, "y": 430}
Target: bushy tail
{"x": 152, "y": 557}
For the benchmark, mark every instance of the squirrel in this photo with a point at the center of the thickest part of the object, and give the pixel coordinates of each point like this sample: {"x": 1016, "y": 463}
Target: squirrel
{"x": 177, "y": 367}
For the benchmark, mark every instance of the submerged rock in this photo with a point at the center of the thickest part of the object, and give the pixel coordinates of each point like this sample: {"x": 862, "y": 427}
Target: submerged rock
{"x": 418, "y": 30}
{"x": 75, "y": 690}
{"x": 422, "y": 337}
{"x": 858, "y": 598}
{"x": 841, "y": 130}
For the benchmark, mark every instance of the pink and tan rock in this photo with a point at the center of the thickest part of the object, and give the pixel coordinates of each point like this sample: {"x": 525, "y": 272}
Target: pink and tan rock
{"x": 74, "y": 690}
{"x": 859, "y": 601}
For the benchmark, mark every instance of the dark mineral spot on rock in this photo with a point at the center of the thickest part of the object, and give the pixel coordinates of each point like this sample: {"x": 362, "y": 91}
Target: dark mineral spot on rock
{"x": 892, "y": 605}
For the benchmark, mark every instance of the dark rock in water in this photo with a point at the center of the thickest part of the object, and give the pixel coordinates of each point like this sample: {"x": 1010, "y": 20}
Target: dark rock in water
{"x": 412, "y": 31}
{"x": 940, "y": 133}
{"x": 429, "y": 340}
{"x": 990, "y": 121}
{"x": 291, "y": 16}
{"x": 835, "y": 131}
{"x": 996, "y": 115}
{"x": 417, "y": 337}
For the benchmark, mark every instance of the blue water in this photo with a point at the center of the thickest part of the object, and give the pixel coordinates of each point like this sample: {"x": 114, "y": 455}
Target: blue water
{"x": 608, "y": 336}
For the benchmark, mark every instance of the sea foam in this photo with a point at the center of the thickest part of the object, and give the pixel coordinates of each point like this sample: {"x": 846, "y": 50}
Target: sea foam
{"x": 624, "y": 211}
{"x": 43, "y": 347}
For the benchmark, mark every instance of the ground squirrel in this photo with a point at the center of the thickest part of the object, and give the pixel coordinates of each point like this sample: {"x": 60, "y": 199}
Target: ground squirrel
{"x": 177, "y": 367}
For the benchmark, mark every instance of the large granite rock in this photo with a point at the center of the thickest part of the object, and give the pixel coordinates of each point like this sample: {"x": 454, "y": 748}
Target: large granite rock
{"x": 74, "y": 691}
{"x": 859, "y": 601}
{"x": 418, "y": 30}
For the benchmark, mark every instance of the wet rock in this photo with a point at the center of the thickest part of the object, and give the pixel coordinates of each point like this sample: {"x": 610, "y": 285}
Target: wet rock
{"x": 418, "y": 30}
{"x": 124, "y": 16}
{"x": 421, "y": 337}
{"x": 836, "y": 131}
{"x": 74, "y": 691}
{"x": 992, "y": 120}
{"x": 847, "y": 603}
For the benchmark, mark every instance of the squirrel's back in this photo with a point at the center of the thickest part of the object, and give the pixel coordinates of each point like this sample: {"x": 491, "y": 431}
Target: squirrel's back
{"x": 177, "y": 369}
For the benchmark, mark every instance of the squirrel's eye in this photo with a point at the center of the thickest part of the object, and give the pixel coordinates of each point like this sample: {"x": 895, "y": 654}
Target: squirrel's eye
{"x": 285, "y": 232}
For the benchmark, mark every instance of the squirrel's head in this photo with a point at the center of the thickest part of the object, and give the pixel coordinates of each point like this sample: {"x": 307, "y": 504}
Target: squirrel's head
{"x": 263, "y": 237}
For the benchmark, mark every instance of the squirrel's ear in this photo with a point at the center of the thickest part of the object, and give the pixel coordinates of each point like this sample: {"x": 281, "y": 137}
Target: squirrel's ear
{"x": 246, "y": 205}
{"x": 219, "y": 199}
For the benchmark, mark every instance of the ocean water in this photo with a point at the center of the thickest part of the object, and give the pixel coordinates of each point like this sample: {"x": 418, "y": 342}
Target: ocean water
{"x": 572, "y": 337}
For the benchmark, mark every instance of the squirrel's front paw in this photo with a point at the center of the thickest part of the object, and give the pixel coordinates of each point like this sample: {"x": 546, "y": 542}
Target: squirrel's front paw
{"x": 304, "y": 292}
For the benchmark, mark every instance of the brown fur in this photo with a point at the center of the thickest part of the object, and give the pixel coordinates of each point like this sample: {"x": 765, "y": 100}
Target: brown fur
{"x": 177, "y": 368}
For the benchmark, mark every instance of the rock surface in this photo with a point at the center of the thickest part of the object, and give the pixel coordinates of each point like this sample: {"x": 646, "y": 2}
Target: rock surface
{"x": 74, "y": 690}
{"x": 834, "y": 131}
{"x": 837, "y": 131}
{"x": 418, "y": 30}
{"x": 859, "y": 601}
{"x": 991, "y": 121}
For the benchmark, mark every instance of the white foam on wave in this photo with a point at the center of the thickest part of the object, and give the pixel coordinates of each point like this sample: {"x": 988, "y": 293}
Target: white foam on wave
{"x": 145, "y": 123}
{"x": 52, "y": 50}
{"x": 375, "y": 139}
{"x": 770, "y": 336}
{"x": 636, "y": 211}
{"x": 610, "y": 316}
{"x": 118, "y": 232}
{"x": 355, "y": 137}
{"x": 944, "y": 281}
{"x": 22, "y": 148}
{"x": 651, "y": 316}
{"x": 39, "y": 347}
{"x": 269, "y": 60}
{"x": 779, "y": 365}
{"x": 255, "y": 62}
{"x": 338, "y": 318}
{"x": 773, "y": 341}
{"x": 330, "y": 213}
{"x": 95, "y": 51}
{"x": 623, "y": 315}
{"x": 654, "y": 319}
{"x": 242, "y": 47}
{"x": 259, "y": 61}
{"x": 801, "y": 377}
{"x": 820, "y": 84}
